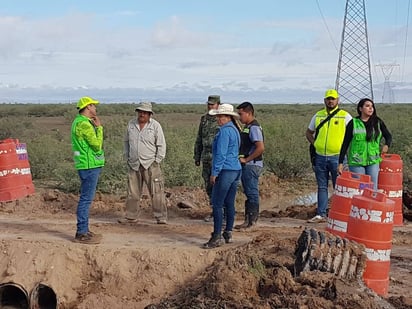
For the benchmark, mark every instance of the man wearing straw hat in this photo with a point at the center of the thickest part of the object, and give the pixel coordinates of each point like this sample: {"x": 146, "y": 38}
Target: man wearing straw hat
{"x": 145, "y": 148}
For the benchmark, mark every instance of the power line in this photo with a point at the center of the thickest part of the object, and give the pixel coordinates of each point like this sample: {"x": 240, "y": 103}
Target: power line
{"x": 406, "y": 41}
{"x": 326, "y": 25}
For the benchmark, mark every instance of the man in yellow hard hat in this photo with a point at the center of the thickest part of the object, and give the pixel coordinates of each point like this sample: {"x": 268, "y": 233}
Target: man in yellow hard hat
{"x": 87, "y": 143}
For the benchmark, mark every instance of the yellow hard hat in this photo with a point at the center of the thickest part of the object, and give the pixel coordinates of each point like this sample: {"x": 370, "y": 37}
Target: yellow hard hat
{"x": 83, "y": 102}
{"x": 331, "y": 93}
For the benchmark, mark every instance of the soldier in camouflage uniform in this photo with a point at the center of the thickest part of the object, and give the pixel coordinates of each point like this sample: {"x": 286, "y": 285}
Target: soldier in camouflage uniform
{"x": 208, "y": 128}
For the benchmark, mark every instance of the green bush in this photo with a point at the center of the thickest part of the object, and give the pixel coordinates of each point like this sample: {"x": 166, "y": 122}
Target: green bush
{"x": 46, "y": 131}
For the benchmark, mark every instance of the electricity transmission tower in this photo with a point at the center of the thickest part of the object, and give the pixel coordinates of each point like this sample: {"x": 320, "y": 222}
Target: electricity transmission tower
{"x": 354, "y": 79}
{"x": 387, "y": 94}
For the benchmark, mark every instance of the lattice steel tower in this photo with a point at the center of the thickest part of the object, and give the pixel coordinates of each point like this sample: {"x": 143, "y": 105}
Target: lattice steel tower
{"x": 354, "y": 79}
{"x": 387, "y": 94}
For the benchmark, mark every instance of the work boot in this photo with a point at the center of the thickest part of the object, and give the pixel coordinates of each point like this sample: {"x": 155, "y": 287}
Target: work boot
{"x": 227, "y": 235}
{"x": 214, "y": 241}
{"x": 253, "y": 217}
{"x": 95, "y": 235}
{"x": 86, "y": 238}
{"x": 244, "y": 224}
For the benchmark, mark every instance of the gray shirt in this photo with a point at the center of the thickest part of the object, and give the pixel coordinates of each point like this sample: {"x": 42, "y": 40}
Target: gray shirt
{"x": 144, "y": 146}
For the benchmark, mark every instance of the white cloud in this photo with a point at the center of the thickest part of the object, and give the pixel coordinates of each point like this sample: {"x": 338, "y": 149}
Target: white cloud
{"x": 172, "y": 33}
{"x": 172, "y": 58}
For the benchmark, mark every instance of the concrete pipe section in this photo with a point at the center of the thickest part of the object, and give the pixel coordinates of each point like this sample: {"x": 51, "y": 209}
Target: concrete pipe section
{"x": 43, "y": 297}
{"x": 13, "y": 296}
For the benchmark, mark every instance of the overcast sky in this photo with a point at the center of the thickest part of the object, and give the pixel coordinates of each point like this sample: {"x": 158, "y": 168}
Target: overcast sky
{"x": 263, "y": 51}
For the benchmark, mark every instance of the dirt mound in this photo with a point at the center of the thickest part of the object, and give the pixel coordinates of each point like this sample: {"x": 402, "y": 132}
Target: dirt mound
{"x": 146, "y": 265}
{"x": 260, "y": 274}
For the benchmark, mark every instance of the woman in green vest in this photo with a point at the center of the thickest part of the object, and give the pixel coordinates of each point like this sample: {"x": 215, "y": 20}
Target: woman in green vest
{"x": 362, "y": 142}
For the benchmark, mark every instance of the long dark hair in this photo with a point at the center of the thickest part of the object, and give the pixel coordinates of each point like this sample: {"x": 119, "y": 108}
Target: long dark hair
{"x": 236, "y": 123}
{"x": 372, "y": 125}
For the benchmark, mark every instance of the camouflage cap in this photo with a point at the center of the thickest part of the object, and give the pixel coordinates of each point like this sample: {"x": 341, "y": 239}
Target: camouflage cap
{"x": 213, "y": 99}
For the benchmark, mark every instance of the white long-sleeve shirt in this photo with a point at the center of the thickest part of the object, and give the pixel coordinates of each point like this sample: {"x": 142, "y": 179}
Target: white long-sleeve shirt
{"x": 144, "y": 146}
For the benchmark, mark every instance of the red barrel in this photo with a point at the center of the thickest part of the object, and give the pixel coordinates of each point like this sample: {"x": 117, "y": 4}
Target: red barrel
{"x": 347, "y": 185}
{"x": 390, "y": 181}
{"x": 24, "y": 166}
{"x": 371, "y": 223}
{"x": 14, "y": 182}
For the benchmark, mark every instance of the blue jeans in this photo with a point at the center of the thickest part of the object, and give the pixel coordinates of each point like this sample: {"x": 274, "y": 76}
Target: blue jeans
{"x": 371, "y": 170}
{"x": 88, "y": 183}
{"x": 223, "y": 195}
{"x": 325, "y": 166}
{"x": 250, "y": 182}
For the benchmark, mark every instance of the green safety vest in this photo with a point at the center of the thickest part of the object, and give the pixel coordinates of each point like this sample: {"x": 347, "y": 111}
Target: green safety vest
{"x": 87, "y": 156}
{"x": 362, "y": 152}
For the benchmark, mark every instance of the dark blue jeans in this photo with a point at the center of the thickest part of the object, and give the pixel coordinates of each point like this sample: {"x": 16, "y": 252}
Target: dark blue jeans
{"x": 250, "y": 182}
{"x": 371, "y": 170}
{"x": 88, "y": 183}
{"x": 325, "y": 166}
{"x": 223, "y": 195}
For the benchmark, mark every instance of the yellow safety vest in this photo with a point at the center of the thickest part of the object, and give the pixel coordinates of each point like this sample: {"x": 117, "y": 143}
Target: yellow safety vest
{"x": 330, "y": 137}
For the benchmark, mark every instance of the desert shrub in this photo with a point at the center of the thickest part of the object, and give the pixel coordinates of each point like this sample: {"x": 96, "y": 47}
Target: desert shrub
{"x": 284, "y": 126}
{"x": 13, "y": 126}
{"x": 47, "y": 155}
{"x": 179, "y": 168}
{"x": 285, "y": 157}
{"x": 113, "y": 177}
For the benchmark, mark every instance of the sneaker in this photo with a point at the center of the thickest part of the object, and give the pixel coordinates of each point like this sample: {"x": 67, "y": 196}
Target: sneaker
{"x": 227, "y": 235}
{"x": 127, "y": 220}
{"x": 317, "y": 219}
{"x": 86, "y": 238}
{"x": 161, "y": 221}
{"x": 214, "y": 241}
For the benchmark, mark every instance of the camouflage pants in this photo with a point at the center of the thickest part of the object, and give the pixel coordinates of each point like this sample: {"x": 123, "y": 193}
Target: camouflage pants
{"x": 206, "y": 172}
{"x": 153, "y": 178}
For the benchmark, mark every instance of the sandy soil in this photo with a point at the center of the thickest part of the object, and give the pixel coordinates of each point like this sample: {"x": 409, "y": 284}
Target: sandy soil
{"x": 145, "y": 265}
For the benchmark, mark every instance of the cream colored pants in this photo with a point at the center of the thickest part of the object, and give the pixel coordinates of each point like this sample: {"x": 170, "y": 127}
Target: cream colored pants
{"x": 153, "y": 178}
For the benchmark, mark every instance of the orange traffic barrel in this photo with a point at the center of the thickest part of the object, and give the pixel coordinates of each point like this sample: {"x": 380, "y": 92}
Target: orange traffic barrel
{"x": 11, "y": 187}
{"x": 24, "y": 165}
{"x": 13, "y": 295}
{"x": 347, "y": 185}
{"x": 371, "y": 223}
{"x": 390, "y": 181}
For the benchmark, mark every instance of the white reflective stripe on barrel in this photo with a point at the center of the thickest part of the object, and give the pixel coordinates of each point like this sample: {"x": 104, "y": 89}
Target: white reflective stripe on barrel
{"x": 371, "y": 215}
{"x": 337, "y": 225}
{"x": 346, "y": 192}
{"x": 378, "y": 255}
